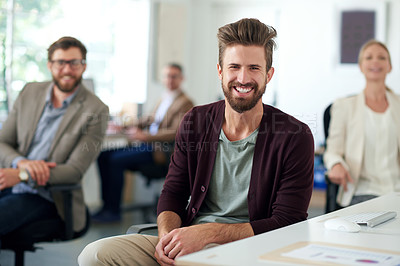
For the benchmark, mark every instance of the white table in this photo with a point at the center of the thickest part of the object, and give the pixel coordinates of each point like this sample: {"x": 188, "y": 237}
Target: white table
{"x": 248, "y": 251}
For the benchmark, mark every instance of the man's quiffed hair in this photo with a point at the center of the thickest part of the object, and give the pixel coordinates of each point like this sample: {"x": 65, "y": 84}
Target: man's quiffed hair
{"x": 66, "y": 43}
{"x": 247, "y": 31}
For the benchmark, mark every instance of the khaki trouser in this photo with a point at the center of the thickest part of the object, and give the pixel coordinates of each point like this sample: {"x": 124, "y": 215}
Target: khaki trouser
{"x": 132, "y": 250}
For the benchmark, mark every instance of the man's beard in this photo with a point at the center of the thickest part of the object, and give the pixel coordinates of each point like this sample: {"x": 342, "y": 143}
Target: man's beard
{"x": 242, "y": 105}
{"x": 67, "y": 89}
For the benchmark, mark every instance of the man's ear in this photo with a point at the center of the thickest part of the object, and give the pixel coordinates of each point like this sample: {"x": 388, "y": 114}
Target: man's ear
{"x": 270, "y": 73}
{"x": 219, "y": 68}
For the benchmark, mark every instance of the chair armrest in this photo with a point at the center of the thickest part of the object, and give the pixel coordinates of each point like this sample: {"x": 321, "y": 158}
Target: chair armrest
{"x": 331, "y": 193}
{"x": 143, "y": 228}
{"x": 66, "y": 190}
{"x": 65, "y": 187}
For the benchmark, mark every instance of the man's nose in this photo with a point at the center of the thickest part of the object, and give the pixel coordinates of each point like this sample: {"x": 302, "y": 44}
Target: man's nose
{"x": 243, "y": 76}
{"x": 67, "y": 67}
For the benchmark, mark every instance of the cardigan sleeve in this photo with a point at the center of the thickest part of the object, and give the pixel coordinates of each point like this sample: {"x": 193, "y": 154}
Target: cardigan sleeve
{"x": 284, "y": 198}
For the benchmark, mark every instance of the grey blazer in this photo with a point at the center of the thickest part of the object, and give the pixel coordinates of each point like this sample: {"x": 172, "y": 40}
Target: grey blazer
{"x": 76, "y": 144}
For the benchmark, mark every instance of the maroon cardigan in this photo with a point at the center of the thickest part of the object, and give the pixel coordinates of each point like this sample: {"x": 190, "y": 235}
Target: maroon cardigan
{"x": 281, "y": 177}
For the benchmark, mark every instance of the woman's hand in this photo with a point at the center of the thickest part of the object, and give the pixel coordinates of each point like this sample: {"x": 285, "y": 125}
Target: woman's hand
{"x": 339, "y": 175}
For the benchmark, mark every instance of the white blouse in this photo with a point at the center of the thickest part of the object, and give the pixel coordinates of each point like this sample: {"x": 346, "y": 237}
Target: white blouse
{"x": 380, "y": 172}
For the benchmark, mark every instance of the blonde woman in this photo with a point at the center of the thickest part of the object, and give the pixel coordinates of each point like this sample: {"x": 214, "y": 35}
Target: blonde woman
{"x": 363, "y": 146}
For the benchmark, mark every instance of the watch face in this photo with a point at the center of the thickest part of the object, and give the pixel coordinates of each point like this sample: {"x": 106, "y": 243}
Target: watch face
{"x": 23, "y": 175}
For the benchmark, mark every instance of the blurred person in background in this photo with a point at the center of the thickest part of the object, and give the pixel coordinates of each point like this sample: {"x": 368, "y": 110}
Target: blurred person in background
{"x": 152, "y": 139}
{"x": 363, "y": 145}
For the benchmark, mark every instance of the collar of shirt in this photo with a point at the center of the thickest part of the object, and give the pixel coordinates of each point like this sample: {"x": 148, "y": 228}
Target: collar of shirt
{"x": 252, "y": 138}
{"x": 170, "y": 94}
{"x": 66, "y": 102}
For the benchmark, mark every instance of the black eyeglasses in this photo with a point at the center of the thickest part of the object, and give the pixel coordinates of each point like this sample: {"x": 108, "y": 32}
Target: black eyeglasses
{"x": 74, "y": 63}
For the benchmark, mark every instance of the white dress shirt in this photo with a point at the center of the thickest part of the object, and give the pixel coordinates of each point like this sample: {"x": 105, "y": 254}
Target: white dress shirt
{"x": 167, "y": 99}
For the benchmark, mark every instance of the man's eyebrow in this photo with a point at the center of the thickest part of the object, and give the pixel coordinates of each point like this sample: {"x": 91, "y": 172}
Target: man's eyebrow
{"x": 250, "y": 65}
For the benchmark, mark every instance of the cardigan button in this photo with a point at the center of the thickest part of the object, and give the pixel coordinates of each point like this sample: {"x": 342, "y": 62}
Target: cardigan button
{"x": 193, "y": 210}
{"x": 203, "y": 189}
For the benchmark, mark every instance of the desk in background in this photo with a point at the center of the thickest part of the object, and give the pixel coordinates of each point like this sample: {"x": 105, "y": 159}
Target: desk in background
{"x": 248, "y": 251}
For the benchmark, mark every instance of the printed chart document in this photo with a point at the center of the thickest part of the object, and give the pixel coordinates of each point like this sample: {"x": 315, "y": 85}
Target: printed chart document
{"x": 329, "y": 254}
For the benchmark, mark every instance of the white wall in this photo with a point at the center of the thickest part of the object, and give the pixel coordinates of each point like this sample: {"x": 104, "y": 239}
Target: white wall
{"x": 307, "y": 74}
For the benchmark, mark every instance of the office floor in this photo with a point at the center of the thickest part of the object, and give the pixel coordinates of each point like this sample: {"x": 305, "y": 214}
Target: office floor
{"x": 65, "y": 254}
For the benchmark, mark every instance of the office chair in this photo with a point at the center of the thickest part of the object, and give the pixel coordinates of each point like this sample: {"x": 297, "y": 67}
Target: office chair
{"x": 24, "y": 239}
{"x": 331, "y": 188}
{"x": 151, "y": 172}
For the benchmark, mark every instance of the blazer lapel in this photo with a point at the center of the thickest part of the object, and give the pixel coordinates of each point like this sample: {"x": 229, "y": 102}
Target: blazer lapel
{"x": 355, "y": 146}
{"x": 32, "y": 123}
{"x": 394, "y": 103}
{"x": 357, "y": 131}
{"x": 72, "y": 111}
{"x": 171, "y": 111}
{"x": 176, "y": 103}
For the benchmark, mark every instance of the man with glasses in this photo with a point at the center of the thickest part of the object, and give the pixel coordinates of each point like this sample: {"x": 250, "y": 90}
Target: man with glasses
{"x": 51, "y": 136}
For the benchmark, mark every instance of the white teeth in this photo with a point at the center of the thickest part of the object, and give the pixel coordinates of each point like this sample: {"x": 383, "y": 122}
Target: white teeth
{"x": 375, "y": 69}
{"x": 243, "y": 90}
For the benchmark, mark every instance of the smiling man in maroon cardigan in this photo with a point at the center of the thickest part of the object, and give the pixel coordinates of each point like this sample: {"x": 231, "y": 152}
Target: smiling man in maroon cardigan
{"x": 240, "y": 167}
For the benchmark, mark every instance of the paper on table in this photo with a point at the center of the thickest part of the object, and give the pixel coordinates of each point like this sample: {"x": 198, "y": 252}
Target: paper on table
{"x": 342, "y": 255}
{"x": 320, "y": 253}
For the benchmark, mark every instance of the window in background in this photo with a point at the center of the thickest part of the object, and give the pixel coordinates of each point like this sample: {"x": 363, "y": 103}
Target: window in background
{"x": 115, "y": 32}
{"x": 3, "y": 92}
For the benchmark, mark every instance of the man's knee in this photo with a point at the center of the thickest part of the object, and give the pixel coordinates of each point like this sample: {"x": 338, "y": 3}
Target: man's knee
{"x": 131, "y": 249}
{"x": 94, "y": 253}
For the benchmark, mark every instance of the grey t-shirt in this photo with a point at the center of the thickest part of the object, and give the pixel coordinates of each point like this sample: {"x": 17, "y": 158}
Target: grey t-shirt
{"x": 226, "y": 199}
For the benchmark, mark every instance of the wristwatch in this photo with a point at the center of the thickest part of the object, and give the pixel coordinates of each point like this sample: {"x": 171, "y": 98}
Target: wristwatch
{"x": 23, "y": 175}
